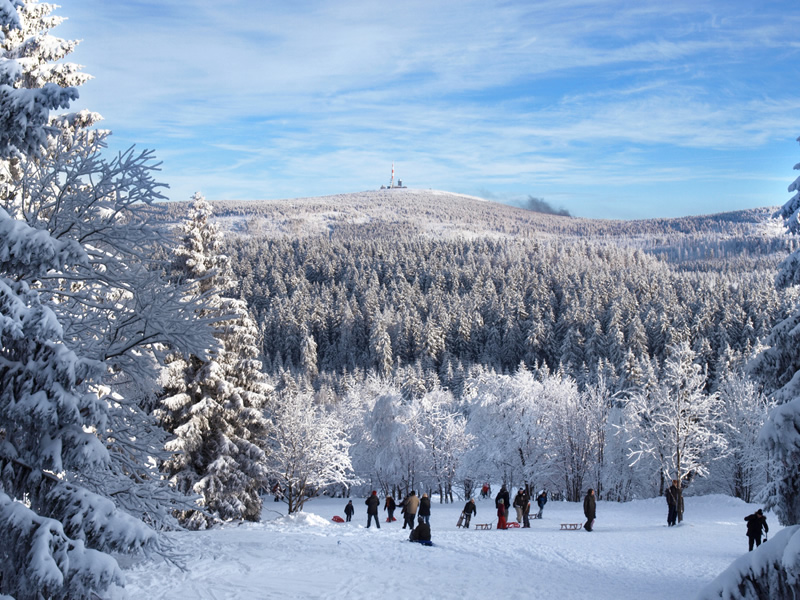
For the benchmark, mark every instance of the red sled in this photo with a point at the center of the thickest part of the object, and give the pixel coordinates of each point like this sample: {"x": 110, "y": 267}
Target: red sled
{"x": 388, "y": 520}
{"x": 512, "y": 524}
{"x": 337, "y": 519}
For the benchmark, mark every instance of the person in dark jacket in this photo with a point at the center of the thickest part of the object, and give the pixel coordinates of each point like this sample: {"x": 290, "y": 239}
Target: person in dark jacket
{"x": 541, "y": 501}
{"x": 526, "y": 511}
{"x": 673, "y": 495}
{"x": 589, "y": 510}
{"x": 389, "y": 506}
{"x": 349, "y": 510}
{"x": 421, "y": 533}
{"x": 503, "y": 495}
{"x": 425, "y": 508}
{"x": 373, "y": 503}
{"x": 469, "y": 510}
{"x": 755, "y": 524}
{"x": 519, "y": 504}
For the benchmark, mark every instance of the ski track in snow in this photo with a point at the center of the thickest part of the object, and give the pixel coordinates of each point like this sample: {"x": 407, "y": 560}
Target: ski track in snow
{"x": 631, "y": 554}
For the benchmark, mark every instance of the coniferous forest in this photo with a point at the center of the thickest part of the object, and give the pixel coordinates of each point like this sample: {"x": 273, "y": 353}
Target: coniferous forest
{"x": 166, "y": 366}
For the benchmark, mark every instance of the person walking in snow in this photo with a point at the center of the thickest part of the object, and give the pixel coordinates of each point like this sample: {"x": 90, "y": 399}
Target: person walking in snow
{"x": 349, "y": 510}
{"x": 389, "y": 506}
{"x": 519, "y": 504}
{"x": 425, "y": 508}
{"x": 501, "y": 514}
{"x": 373, "y": 503}
{"x": 541, "y": 501}
{"x": 755, "y": 524}
{"x": 589, "y": 510}
{"x": 469, "y": 510}
{"x": 673, "y": 495}
{"x": 503, "y": 495}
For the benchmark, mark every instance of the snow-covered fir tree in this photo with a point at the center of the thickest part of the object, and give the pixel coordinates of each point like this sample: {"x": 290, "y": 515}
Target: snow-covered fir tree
{"x": 774, "y": 569}
{"x": 116, "y": 308}
{"x": 51, "y": 425}
{"x": 215, "y": 405}
{"x": 24, "y": 104}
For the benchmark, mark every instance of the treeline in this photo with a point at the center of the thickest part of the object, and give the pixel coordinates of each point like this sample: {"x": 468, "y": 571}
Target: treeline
{"x": 388, "y": 303}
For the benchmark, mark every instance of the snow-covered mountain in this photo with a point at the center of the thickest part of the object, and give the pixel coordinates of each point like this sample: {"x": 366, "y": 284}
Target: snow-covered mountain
{"x": 446, "y": 214}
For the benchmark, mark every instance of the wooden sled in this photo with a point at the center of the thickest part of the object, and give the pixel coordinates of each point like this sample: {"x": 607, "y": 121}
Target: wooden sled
{"x": 571, "y": 526}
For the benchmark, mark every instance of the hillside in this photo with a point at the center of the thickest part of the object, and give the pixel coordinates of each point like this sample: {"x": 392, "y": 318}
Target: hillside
{"x": 448, "y": 215}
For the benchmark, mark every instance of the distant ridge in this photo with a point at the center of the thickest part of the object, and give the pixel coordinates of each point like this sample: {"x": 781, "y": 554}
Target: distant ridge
{"x": 446, "y": 215}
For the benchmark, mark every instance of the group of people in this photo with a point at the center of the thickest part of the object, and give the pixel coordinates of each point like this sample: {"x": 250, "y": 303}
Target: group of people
{"x": 420, "y": 507}
{"x": 412, "y": 506}
{"x": 521, "y": 505}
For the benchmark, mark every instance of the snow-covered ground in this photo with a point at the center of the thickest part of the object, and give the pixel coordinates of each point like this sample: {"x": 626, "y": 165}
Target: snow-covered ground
{"x": 631, "y": 554}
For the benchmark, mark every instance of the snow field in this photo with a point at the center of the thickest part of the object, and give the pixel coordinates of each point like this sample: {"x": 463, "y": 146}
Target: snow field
{"x": 631, "y": 554}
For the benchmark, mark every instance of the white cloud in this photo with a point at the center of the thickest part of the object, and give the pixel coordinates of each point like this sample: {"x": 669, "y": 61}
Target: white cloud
{"x": 245, "y": 95}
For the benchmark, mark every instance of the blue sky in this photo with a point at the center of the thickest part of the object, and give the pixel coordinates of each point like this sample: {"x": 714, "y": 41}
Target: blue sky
{"x": 609, "y": 109}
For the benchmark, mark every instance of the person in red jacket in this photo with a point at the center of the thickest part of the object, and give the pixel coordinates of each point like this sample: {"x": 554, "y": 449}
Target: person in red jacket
{"x": 501, "y": 514}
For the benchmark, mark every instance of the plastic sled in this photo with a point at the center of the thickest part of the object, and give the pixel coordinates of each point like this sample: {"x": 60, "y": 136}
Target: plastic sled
{"x": 512, "y": 525}
{"x": 337, "y": 519}
{"x": 423, "y": 542}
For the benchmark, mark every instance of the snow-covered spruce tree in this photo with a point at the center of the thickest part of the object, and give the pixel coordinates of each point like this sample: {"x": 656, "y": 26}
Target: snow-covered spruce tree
{"x": 676, "y": 422}
{"x": 24, "y": 108}
{"x": 215, "y": 406}
{"x": 49, "y": 424}
{"x": 773, "y": 570}
{"x": 116, "y": 308}
{"x": 309, "y": 449}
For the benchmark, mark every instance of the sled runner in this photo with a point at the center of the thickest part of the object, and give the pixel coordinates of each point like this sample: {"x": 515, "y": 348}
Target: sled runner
{"x": 483, "y": 526}
{"x": 571, "y": 526}
{"x": 337, "y": 519}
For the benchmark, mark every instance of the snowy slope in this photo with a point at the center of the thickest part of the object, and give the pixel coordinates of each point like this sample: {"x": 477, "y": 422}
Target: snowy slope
{"x": 632, "y": 554}
{"x": 445, "y": 214}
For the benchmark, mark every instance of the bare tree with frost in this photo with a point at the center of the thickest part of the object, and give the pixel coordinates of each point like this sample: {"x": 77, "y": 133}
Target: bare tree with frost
{"x": 309, "y": 449}
{"x": 773, "y": 571}
{"x": 676, "y": 421}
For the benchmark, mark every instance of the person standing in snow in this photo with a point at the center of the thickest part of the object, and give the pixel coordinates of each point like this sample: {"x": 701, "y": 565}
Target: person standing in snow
{"x": 541, "y": 501}
{"x": 589, "y": 510}
{"x": 373, "y": 503}
{"x": 501, "y": 514}
{"x": 469, "y": 510}
{"x": 755, "y": 523}
{"x": 526, "y": 512}
{"x": 519, "y": 504}
{"x": 503, "y": 495}
{"x": 425, "y": 508}
{"x": 410, "y": 505}
{"x": 349, "y": 510}
{"x": 389, "y": 506}
{"x": 673, "y": 495}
